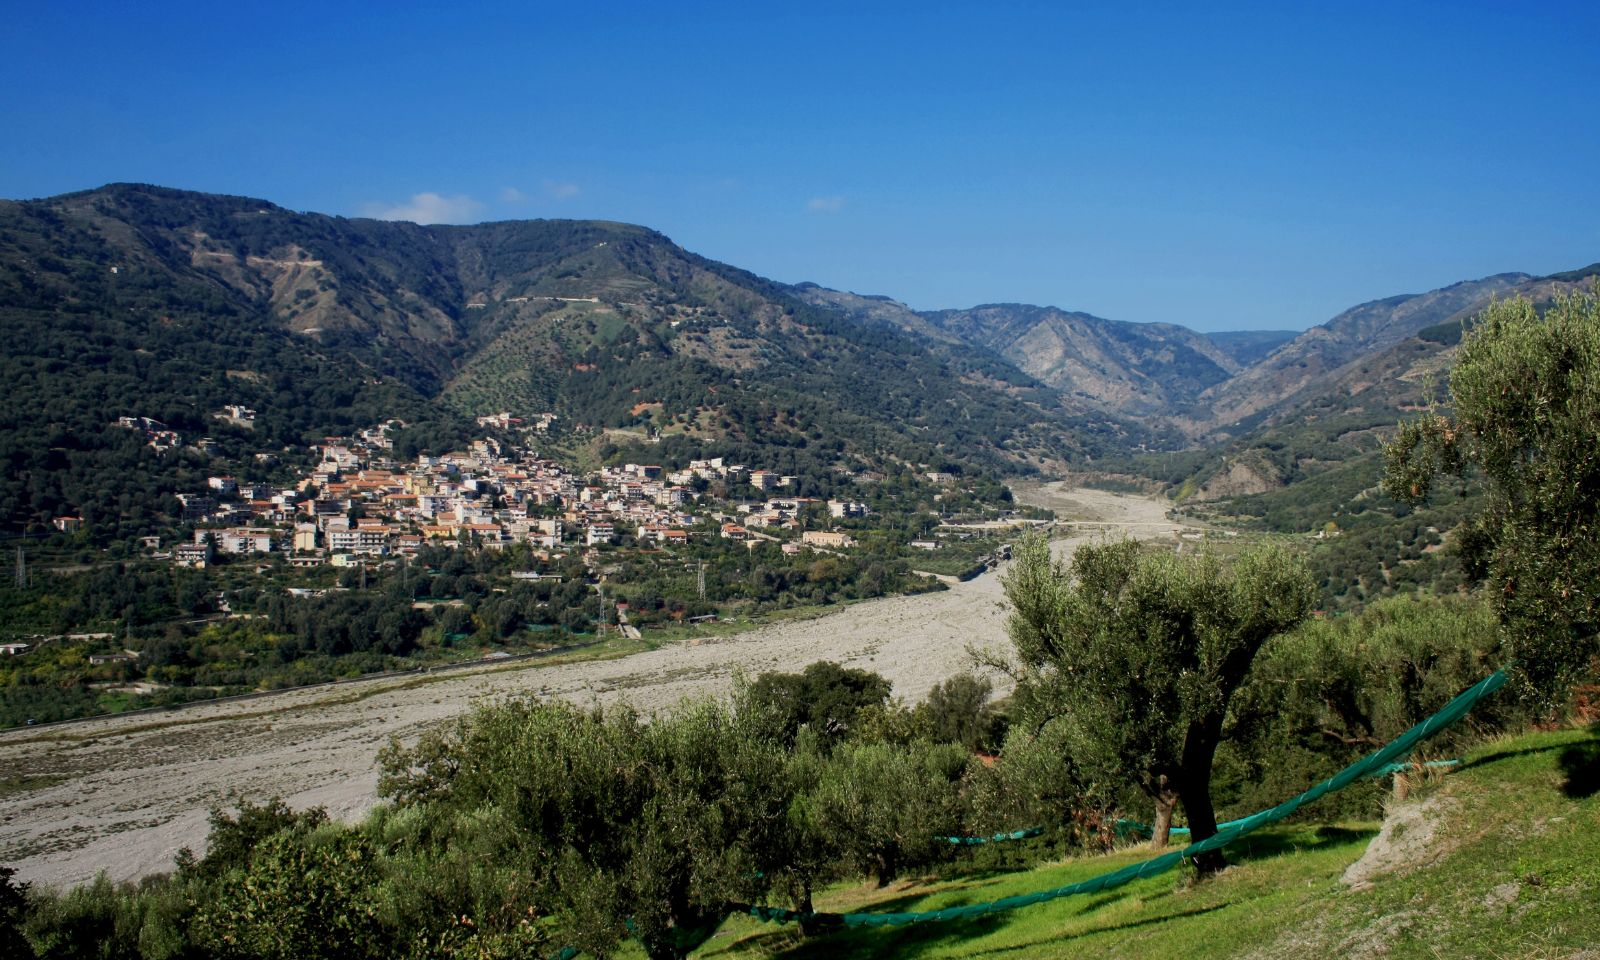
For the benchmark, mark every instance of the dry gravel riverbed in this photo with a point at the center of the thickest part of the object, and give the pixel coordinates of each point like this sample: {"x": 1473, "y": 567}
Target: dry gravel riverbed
{"x": 124, "y": 794}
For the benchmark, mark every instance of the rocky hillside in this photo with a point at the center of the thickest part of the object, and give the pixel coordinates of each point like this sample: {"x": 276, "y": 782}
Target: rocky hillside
{"x": 1325, "y": 349}
{"x": 1344, "y": 411}
{"x": 1145, "y": 369}
{"x": 1142, "y": 370}
{"x": 1220, "y": 386}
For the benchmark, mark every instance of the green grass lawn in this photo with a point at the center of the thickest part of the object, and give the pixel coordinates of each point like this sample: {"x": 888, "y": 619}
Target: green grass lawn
{"x": 1512, "y": 870}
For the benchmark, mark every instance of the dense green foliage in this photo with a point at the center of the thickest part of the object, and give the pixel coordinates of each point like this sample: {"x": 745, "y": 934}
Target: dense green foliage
{"x": 1337, "y": 688}
{"x": 824, "y": 698}
{"x": 199, "y": 634}
{"x": 611, "y": 818}
{"x": 526, "y": 826}
{"x": 1140, "y": 654}
{"x": 1526, "y": 414}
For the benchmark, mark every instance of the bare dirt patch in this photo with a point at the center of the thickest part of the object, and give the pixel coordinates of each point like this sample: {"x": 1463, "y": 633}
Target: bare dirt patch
{"x": 1409, "y": 838}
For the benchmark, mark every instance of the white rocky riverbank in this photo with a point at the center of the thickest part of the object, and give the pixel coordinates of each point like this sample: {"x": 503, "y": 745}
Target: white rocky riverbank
{"x": 129, "y": 792}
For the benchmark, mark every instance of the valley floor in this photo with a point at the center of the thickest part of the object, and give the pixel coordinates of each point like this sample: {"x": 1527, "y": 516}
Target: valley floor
{"x": 124, "y": 794}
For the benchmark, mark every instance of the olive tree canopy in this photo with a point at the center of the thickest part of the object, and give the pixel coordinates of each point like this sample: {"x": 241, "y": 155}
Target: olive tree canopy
{"x": 1139, "y": 653}
{"x": 1525, "y": 390}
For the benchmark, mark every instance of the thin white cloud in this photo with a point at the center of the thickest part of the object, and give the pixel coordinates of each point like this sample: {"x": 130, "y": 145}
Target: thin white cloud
{"x": 513, "y": 196}
{"x": 558, "y": 190}
{"x": 429, "y": 208}
{"x": 831, "y": 204}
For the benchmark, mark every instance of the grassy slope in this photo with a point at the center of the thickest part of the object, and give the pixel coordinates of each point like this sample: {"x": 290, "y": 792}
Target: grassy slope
{"x": 1512, "y": 872}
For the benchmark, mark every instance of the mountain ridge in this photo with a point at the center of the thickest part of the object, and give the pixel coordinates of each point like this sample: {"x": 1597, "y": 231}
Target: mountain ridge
{"x": 189, "y": 302}
{"x": 616, "y": 328}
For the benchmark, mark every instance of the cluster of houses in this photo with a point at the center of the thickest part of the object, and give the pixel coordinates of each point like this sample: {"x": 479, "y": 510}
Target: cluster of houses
{"x": 358, "y": 502}
{"x": 162, "y": 438}
{"x": 237, "y": 414}
{"x": 157, "y": 434}
{"x": 540, "y": 422}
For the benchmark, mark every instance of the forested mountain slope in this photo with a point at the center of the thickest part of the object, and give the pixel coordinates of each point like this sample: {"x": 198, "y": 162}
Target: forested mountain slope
{"x": 140, "y": 301}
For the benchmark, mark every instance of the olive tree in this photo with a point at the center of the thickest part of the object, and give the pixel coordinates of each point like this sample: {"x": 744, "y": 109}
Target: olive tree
{"x": 302, "y": 894}
{"x": 1525, "y": 392}
{"x": 1139, "y": 653}
{"x": 627, "y": 827}
{"x": 885, "y": 804}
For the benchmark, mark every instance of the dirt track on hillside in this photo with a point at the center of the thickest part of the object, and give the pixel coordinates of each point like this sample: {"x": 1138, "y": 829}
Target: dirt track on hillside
{"x": 124, "y": 794}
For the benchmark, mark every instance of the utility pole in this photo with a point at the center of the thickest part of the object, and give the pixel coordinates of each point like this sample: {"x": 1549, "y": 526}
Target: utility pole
{"x": 22, "y": 570}
{"x": 701, "y": 580}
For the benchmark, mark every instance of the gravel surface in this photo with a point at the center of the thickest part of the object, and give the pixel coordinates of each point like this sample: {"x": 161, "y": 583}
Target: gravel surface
{"x": 123, "y": 795}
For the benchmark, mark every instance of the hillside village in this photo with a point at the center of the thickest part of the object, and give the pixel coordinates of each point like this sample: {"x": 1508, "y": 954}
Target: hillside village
{"x": 343, "y": 557}
{"x": 358, "y": 503}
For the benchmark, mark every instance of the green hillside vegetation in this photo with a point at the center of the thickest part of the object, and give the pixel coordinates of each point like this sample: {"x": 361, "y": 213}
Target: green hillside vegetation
{"x": 140, "y": 301}
{"x": 527, "y": 826}
{"x": 1505, "y": 866}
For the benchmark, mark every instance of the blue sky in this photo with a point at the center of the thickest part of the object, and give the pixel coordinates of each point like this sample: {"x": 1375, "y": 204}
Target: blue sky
{"x": 1225, "y": 166}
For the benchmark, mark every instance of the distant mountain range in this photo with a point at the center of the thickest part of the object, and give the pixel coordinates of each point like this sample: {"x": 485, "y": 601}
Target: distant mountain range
{"x": 134, "y": 300}
{"x": 1127, "y": 369}
{"x": 1210, "y": 386}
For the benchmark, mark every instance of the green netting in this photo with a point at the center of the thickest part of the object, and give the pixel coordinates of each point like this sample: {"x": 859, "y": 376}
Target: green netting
{"x": 1370, "y": 766}
{"x": 1403, "y": 767}
{"x": 1125, "y": 827}
{"x": 996, "y": 838}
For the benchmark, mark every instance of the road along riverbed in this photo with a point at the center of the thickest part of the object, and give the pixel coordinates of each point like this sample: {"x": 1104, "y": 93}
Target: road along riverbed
{"x": 124, "y": 794}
